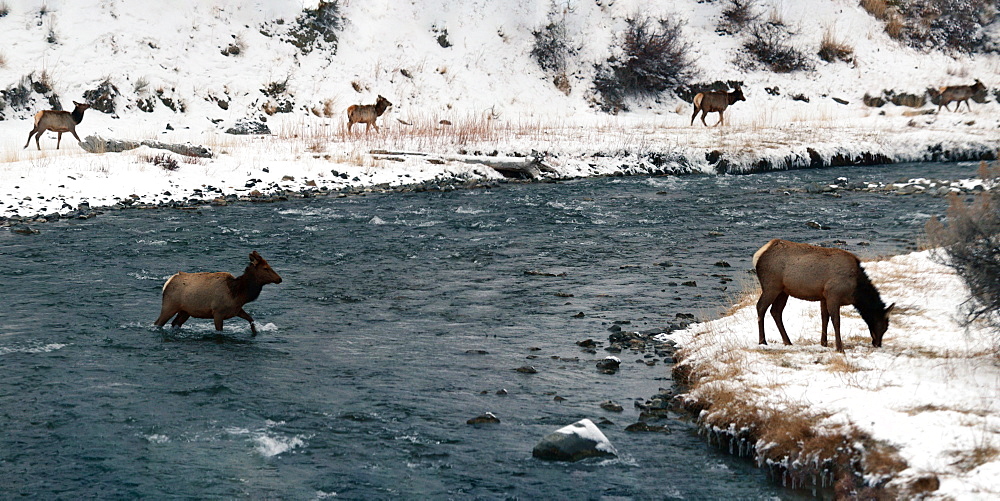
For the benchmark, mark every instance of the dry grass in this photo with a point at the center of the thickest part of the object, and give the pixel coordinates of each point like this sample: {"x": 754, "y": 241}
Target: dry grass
{"x": 877, "y": 8}
{"x": 831, "y": 49}
{"x": 971, "y": 459}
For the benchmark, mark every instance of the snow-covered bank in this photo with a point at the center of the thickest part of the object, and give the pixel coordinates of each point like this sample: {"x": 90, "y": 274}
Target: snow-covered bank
{"x": 919, "y": 415}
{"x": 311, "y": 156}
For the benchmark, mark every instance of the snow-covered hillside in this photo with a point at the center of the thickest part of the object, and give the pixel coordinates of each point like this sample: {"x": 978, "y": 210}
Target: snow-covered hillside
{"x": 187, "y": 71}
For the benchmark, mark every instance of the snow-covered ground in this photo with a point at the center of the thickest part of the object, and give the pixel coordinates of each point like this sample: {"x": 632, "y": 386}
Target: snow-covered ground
{"x": 169, "y": 60}
{"x": 930, "y": 392}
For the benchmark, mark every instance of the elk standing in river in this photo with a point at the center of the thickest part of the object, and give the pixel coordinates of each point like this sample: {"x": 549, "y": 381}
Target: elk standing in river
{"x": 366, "y": 113}
{"x": 834, "y": 277}
{"x": 57, "y": 121}
{"x": 710, "y": 102}
{"x": 959, "y": 93}
{"x": 218, "y": 296}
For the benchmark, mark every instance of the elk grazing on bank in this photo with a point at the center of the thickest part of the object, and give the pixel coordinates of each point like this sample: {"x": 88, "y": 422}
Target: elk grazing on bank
{"x": 834, "y": 277}
{"x": 958, "y": 93}
{"x": 57, "y": 121}
{"x": 218, "y": 296}
{"x": 712, "y": 101}
{"x": 366, "y": 113}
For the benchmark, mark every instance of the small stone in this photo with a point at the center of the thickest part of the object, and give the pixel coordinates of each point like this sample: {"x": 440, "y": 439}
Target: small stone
{"x": 645, "y": 427}
{"x": 487, "y": 418}
{"x": 611, "y": 406}
{"x": 526, "y": 369}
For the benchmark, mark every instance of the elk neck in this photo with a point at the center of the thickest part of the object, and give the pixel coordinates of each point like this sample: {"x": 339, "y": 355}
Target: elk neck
{"x": 245, "y": 288}
{"x": 867, "y": 300}
{"x": 77, "y": 115}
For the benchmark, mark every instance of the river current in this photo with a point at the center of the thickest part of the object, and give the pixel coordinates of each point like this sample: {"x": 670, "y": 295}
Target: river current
{"x": 401, "y": 316}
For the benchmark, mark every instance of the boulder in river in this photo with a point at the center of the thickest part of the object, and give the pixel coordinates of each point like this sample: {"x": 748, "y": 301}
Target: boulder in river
{"x": 580, "y": 440}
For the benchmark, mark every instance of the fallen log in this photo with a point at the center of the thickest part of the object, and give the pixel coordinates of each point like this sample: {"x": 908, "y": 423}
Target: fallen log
{"x": 97, "y": 144}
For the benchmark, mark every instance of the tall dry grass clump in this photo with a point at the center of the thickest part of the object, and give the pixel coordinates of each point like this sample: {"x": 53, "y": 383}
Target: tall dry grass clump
{"x": 831, "y": 49}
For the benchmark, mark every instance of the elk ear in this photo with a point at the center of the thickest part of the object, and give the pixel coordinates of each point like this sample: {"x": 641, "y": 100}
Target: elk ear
{"x": 254, "y": 257}
{"x": 889, "y": 309}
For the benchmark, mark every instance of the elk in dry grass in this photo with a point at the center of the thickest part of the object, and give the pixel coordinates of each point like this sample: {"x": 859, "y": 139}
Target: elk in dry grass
{"x": 958, "y": 93}
{"x": 715, "y": 101}
{"x": 834, "y": 277}
{"x": 366, "y": 113}
{"x": 218, "y": 296}
{"x": 57, "y": 121}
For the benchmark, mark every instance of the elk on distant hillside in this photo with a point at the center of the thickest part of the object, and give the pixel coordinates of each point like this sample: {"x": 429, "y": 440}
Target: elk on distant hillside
{"x": 958, "y": 93}
{"x": 366, "y": 113}
{"x": 712, "y": 101}
{"x": 57, "y": 121}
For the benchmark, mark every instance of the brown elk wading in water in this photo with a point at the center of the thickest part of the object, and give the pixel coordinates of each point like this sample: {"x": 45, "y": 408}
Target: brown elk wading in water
{"x": 366, "y": 113}
{"x": 834, "y": 277}
{"x": 218, "y": 296}
{"x": 57, "y": 121}
{"x": 715, "y": 101}
{"x": 958, "y": 93}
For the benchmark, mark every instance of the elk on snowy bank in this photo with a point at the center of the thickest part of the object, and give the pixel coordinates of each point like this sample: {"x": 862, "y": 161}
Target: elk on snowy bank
{"x": 57, "y": 121}
{"x": 218, "y": 296}
{"x": 958, "y": 93}
{"x": 366, "y": 113}
{"x": 712, "y": 101}
{"x": 834, "y": 277}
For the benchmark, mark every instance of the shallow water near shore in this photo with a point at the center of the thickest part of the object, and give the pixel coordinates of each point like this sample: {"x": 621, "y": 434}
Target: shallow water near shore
{"x": 400, "y": 317}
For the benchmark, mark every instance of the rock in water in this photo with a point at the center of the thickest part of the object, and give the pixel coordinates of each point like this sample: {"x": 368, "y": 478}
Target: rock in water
{"x": 577, "y": 441}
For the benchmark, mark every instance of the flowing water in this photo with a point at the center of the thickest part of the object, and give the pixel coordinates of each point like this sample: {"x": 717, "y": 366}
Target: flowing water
{"x": 400, "y": 317}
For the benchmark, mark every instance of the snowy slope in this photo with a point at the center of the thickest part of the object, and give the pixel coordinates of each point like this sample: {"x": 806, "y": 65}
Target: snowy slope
{"x": 173, "y": 60}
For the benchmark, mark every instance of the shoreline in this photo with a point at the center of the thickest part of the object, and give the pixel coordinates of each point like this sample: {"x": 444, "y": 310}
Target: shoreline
{"x": 463, "y": 171}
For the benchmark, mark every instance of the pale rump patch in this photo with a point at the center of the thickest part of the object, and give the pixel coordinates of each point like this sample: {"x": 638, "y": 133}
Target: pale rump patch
{"x": 165, "y": 284}
{"x": 760, "y": 252}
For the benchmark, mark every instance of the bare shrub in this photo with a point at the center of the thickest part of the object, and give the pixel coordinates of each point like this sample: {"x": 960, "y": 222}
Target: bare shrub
{"x": 317, "y": 28}
{"x": 4, "y": 9}
{"x": 652, "y": 57}
{"x": 552, "y": 47}
{"x": 164, "y": 161}
{"x": 103, "y": 97}
{"x": 943, "y": 24}
{"x": 970, "y": 243}
{"x": 831, "y": 49}
{"x": 767, "y": 43}
{"x": 737, "y": 15}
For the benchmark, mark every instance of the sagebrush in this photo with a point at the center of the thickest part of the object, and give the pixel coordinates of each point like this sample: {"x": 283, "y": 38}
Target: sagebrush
{"x": 652, "y": 56}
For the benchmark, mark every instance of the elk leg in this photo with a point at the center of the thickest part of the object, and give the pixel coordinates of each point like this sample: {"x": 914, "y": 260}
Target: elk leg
{"x": 835, "y": 316}
{"x": 776, "y": 308}
{"x": 29, "y": 137}
{"x": 165, "y": 315}
{"x": 37, "y": 137}
{"x": 72, "y": 131}
{"x": 967, "y": 105}
{"x": 180, "y": 319}
{"x": 692, "y": 117}
{"x": 58, "y": 139}
{"x": 825, "y": 319}
{"x": 246, "y": 316}
{"x": 721, "y": 118}
{"x": 704, "y": 112}
{"x": 218, "y": 322}
{"x": 762, "y": 304}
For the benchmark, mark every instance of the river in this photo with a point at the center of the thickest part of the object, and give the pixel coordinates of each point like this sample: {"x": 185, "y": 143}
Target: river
{"x": 401, "y": 316}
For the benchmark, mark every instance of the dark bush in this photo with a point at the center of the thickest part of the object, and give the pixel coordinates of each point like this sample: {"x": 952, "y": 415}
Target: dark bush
{"x": 442, "y": 37}
{"x": 317, "y": 28}
{"x": 737, "y": 15}
{"x": 18, "y": 96}
{"x": 943, "y": 24}
{"x": 103, "y": 97}
{"x": 164, "y": 161}
{"x": 552, "y": 47}
{"x": 766, "y": 42}
{"x": 653, "y": 57}
{"x": 969, "y": 242}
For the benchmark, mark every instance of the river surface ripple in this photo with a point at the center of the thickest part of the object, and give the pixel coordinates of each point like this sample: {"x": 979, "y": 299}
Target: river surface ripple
{"x": 400, "y": 317}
